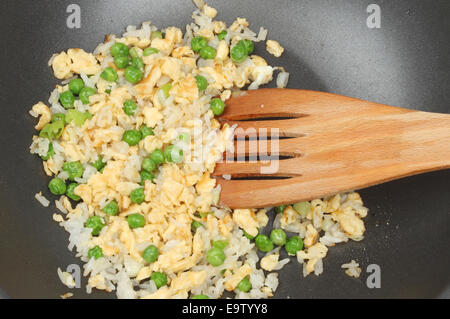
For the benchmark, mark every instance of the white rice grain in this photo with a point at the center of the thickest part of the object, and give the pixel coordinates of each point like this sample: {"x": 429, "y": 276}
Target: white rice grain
{"x": 41, "y": 199}
{"x": 282, "y": 79}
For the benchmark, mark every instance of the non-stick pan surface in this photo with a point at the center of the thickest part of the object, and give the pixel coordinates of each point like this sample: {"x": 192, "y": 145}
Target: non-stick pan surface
{"x": 329, "y": 47}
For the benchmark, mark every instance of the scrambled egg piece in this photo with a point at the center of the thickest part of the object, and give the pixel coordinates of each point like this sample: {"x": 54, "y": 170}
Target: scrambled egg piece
{"x": 209, "y": 11}
{"x": 145, "y": 88}
{"x": 188, "y": 280}
{"x": 289, "y": 216}
{"x": 58, "y": 218}
{"x": 61, "y": 66}
{"x": 222, "y": 50}
{"x": 349, "y": 221}
{"x": 313, "y": 254}
{"x": 42, "y": 110}
{"x": 83, "y": 62}
{"x": 246, "y": 219}
{"x": 74, "y": 61}
{"x": 269, "y": 262}
{"x": 311, "y": 236}
{"x": 274, "y": 48}
{"x": 352, "y": 269}
{"x": 152, "y": 116}
{"x": 262, "y": 218}
{"x": 239, "y": 23}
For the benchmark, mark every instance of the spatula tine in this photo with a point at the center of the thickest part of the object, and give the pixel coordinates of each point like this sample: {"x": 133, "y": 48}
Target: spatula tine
{"x": 265, "y": 103}
{"x": 288, "y": 127}
{"x": 283, "y": 147}
{"x": 262, "y": 103}
{"x": 287, "y": 167}
{"x": 263, "y": 193}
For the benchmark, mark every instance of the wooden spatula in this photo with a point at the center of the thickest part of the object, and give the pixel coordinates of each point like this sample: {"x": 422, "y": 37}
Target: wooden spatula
{"x": 335, "y": 144}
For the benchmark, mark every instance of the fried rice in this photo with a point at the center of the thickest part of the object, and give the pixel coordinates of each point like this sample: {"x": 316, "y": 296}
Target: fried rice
{"x": 178, "y": 194}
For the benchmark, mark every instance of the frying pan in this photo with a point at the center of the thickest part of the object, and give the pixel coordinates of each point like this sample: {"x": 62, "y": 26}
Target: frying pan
{"x": 329, "y": 47}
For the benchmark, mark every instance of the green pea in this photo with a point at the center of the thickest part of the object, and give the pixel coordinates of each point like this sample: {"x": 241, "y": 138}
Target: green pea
{"x": 67, "y": 99}
{"x": 132, "y": 137}
{"x": 95, "y": 252}
{"x": 96, "y": 223}
{"x": 198, "y": 43}
{"x": 293, "y": 245}
{"x": 136, "y": 221}
{"x": 238, "y": 53}
{"x": 112, "y": 208}
{"x": 50, "y": 152}
{"x": 150, "y": 254}
{"x": 133, "y": 74}
{"x": 222, "y": 34}
{"x": 159, "y": 278}
{"x": 221, "y": 244}
{"x": 302, "y": 208}
{"x": 248, "y": 44}
{"x": 77, "y": 117}
{"x": 58, "y": 117}
{"x": 263, "y": 243}
{"x": 248, "y": 235}
{"x": 129, "y": 107}
{"x": 148, "y": 164}
{"x": 245, "y": 285}
{"x": 202, "y": 83}
{"x": 217, "y": 106}
{"x": 76, "y": 85}
{"x": 156, "y": 35}
{"x": 52, "y": 130}
{"x": 57, "y": 186}
{"x": 146, "y": 131}
{"x": 208, "y": 53}
{"x": 121, "y": 61}
{"x": 149, "y": 51}
{"x": 70, "y": 192}
{"x": 280, "y": 209}
{"x": 195, "y": 225}
{"x": 137, "y": 63}
{"x": 173, "y": 154}
{"x": 109, "y": 74}
{"x": 157, "y": 156}
{"x": 215, "y": 256}
{"x": 200, "y": 297}
{"x": 74, "y": 169}
{"x": 166, "y": 89}
{"x": 98, "y": 164}
{"x": 278, "y": 237}
{"x": 137, "y": 195}
{"x": 119, "y": 49}
{"x": 134, "y": 52}
{"x": 146, "y": 176}
{"x": 85, "y": 93}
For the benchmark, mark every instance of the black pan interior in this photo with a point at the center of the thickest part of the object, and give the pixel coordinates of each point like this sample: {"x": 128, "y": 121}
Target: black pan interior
{"x": 328, "y": 48}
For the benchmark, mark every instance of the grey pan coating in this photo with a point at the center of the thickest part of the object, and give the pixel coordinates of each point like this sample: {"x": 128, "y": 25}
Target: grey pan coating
{"x": 328, "y": 47}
